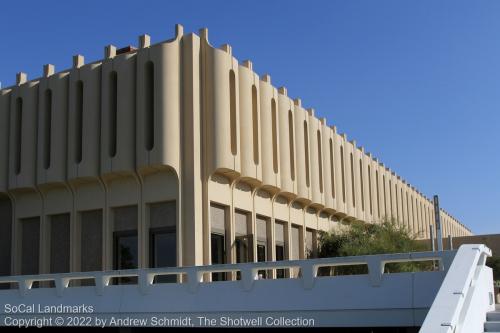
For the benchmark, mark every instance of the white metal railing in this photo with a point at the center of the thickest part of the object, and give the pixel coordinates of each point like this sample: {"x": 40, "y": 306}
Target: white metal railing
{"x": 249, "y": 272}
{"x": 465, "y": 296}
{"x": 375, "y": 299}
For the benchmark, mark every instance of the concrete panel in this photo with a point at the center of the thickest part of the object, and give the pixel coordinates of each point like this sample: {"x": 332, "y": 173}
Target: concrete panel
{"x": 418, "y": 208}
{"x": 219, "y": 189}
{"x": 84, "y": 122}
{"x": 161, "y": 115}
{"x": 57, "y": 200}
{"x": 52, "y": 129}
{"x": 324, "y": 222}
{"x": 250, "y": 124}
{"x": 23, "y": 136}
{"x": 386, "y": 189}
{"x": 89, "y": 196}
{"x": 160, "y": 186}
{"x": 360, "y": 204}
{"x": 392, "y": 193}
{"x": 311, "y": 219}
{"x": 302, "y": 149}
{"x": 350, "y": 183}
{"x": 380, "y": 188}
{"x": 269, "y": 133}
{"x": 338, "y": 159}
{"x": 316, "y": 153}
{"x": 297, "y": 214}
{"x": 123, "y": 192}
{"x": 367, "y": 187}
{"x": 221, "y": 100}
{"x": 5, "y": 126}
{"x": 287, "y": 156}
{"x": 262, "y": 203}
{"x": 411, "y": 209}
{"x": 412, "y": 212}
{"x": 406, "y": 211}
{"x": 328, "y": 160}
{"x": 242, "y": 196}
{"x": 281, "y": 210}
{"x": 27, "y": 204}
{"x": 118, "y": 122}
{"x": 375, "y": 195}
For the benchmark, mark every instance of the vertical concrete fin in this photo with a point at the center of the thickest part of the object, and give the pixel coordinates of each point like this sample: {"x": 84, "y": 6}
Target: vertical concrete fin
{"x": 179, "y": 31}
{"x": 204, "y": 34}
{"x": 21, "y": 78}
{"x": 144, "y": 41}
{"x": 266, "y": 78}
{"x": 48, "y": 70}
{"x": 248, "y": 64}
{"x": 78, "y": 61}
{"x": 226, "y": 48}
{"x": 109, "y": 51}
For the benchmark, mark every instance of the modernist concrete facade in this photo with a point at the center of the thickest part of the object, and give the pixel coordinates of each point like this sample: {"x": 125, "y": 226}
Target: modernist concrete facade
{"x": 177, "y": 154}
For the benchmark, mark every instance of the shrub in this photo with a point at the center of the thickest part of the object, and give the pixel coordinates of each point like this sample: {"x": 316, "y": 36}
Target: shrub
{"x": 494, "y": 263}
{"x": 365, "y": 239}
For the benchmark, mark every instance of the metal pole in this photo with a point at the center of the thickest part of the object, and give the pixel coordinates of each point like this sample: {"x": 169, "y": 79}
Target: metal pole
{"x": 433, "y": 245}
{"x": 450, "y": 241}
{"x": 437, "y": 218}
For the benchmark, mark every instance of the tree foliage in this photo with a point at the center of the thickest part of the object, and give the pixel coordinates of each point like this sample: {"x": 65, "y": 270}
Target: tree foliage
{"x": 365, "y": 239}
{"x": 494, "y": 263}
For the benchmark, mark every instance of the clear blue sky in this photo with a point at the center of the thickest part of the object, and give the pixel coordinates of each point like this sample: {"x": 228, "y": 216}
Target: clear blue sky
{"x": 417, "y": 83}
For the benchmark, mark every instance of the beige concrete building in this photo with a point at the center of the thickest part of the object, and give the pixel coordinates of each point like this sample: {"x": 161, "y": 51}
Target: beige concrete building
{"x": 177, "y": 154}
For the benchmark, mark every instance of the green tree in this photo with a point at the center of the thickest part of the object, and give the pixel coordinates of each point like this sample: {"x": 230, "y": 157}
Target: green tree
{"x": 365, "y": 239}
{"x": 494, "y": 263}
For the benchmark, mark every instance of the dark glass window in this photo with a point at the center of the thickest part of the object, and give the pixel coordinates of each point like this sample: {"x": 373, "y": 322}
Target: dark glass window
{"x": 30, "y": 247}
{"x": 91, "y": 234}
{"x": 126, "y": 253}
{"x": 78, "y": 121}
{"x": 18, "y": 134}
{"x": 149, "y": 105}
{"x": 59, "y": 243}
{"x": 163, "y": 242}
{"x": 113, "y": 112}
{"x": 218, "y": 254}
{"x": 242, "y": 255}
{"x": 241, "y": 243}
{"x": 5, "y": 237}
{"x": 280, "y": 255}
{"x": 262, "y": 256}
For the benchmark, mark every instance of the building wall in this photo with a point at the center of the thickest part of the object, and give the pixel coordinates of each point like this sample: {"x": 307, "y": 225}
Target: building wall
{"x": 181, "y": 121}
{"x": 492, "y": 241}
